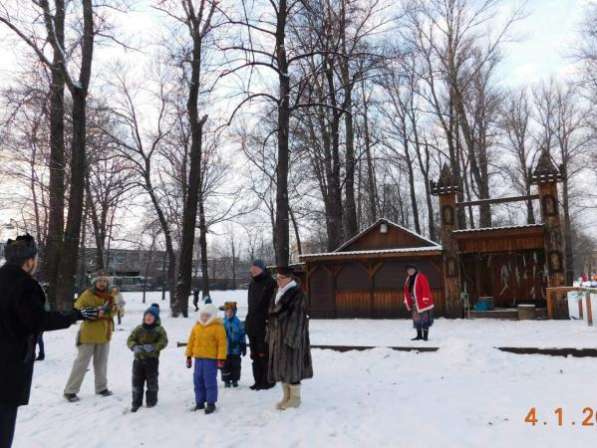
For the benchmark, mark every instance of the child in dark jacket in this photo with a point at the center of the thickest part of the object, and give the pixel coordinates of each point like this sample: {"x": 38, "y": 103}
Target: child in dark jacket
{"x": 237, "y": 346}
{"x": 147, "y": 341}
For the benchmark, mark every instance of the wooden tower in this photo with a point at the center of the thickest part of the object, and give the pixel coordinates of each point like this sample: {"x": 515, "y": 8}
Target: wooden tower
{"x": 447, "y": 189}
{"x": 546, "y": 176}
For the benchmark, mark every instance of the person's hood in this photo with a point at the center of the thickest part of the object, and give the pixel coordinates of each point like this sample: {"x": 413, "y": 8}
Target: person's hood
{"x": 210, "y": 310}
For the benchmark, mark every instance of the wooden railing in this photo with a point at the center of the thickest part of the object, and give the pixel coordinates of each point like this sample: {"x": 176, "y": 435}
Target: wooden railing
{"x": 557, "y": 302}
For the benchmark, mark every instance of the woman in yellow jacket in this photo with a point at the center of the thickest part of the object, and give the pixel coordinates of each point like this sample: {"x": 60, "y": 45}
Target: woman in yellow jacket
{"x": 208, "y": 345}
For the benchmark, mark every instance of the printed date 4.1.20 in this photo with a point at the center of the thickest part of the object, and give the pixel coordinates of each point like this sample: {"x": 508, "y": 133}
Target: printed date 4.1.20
{"x": 587, "y": 417}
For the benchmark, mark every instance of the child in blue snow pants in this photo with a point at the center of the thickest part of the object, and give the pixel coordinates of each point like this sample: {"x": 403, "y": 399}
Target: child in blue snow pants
{"x": 206, "y": 380}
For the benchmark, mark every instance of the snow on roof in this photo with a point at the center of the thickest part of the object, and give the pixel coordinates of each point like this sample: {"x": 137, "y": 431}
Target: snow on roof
{"x": 436, "y": 248}
{"x": 485, "y": 229}
{"x": 378, "y": 222}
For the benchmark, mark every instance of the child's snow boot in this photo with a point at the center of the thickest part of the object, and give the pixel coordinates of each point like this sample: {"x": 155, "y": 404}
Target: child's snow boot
{"x": 235, "y": 384}
{"x": 227, "y": 384}
{"x": 135, "y": 408}
{"x": 295, "y": 397}
{"x": 210, "y": 408}
{"x": 199, "y": 407}
{"x": 419, "y": 335}
{"x": 286, "y": 391}
{"x": 425, "y": 335}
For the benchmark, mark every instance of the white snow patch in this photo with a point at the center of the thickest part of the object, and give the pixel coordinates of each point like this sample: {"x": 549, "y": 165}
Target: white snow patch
{"x": 466, "y": 395}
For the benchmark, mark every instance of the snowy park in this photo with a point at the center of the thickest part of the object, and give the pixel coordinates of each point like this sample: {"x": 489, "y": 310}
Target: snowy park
{"x": 467, "y": 394}
{"x": 386, "y": 211}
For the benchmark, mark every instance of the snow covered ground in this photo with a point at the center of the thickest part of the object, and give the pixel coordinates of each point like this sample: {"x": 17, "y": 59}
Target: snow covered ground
{"x": 468, "y": 394}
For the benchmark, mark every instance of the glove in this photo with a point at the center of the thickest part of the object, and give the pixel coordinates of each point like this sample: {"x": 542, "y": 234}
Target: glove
{"x": 137, "y": 348}
{"x": 148, "y": 348}
{"x": 221, "y": 364}
{"x": 189, "y": 362}
{"x": 90, "y": 313}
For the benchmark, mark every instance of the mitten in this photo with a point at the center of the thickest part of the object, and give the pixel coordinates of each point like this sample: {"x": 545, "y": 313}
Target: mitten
{"x": 189, "y": 362}
{"x": 221, "y": 364}
{"x": 90, "y": 313}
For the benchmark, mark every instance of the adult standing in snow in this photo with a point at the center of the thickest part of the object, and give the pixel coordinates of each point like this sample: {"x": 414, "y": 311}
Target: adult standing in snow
{"x": 23, "y": 317}
{"x": 119, "y": 302}
{"x": 261, "y": 293}
{"x": 93, "y": 340}
{"x": 288, "y": 339}
{"x": 196, "y": 299}
{"x": 419, "y": 301}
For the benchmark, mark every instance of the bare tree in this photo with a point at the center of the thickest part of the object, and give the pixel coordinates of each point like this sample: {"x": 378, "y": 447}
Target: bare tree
{"x": 76, "y": 77}
{"x": 516, "y": 122}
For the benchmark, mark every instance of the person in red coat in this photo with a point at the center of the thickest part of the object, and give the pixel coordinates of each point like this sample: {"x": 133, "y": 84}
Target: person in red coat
{"x": 419, "y": 301}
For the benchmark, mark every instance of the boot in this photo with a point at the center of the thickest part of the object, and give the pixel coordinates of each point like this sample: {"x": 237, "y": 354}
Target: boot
{"x": 419, "y": 335}
{"x": 295, "y": 397}
{"x": 151, "y": 398}
{"x": 425, "y": 335}
{"x": 227, "y": 384}
{"x": 235, "y": 384}
{"x": 71, "y": 398}
{"x": 286, "y": 391}
{"x": 137, "y": 400}
{"x": 210, "y": 408}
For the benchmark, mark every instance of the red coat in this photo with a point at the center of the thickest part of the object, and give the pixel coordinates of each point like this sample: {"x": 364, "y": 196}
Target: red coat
{"x": 422, "y": 294}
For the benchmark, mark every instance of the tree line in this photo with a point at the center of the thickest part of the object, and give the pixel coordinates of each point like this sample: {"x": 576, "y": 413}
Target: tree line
{"x": 300, "y": 121}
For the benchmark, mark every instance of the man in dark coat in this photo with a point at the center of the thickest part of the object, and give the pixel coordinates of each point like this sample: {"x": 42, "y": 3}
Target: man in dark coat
{"x": 22, "y": 318}
{"x": 288, "y": 339}
{"x": 261, "y": 293}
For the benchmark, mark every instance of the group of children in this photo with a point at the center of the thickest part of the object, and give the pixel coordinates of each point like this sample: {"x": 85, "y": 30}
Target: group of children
{"x": 213, "y": 345}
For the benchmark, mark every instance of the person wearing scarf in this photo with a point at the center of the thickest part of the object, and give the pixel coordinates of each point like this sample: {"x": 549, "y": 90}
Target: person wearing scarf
{"x": 93, "y": 339}
{"x": 288, "y": 339}
{"x": 419, "y": 301}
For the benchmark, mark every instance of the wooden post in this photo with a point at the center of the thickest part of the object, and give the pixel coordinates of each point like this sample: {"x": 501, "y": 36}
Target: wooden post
{"x": 589, "y": 310}
{"x": 447, "y": 189}
{"x": 580, "y": 312}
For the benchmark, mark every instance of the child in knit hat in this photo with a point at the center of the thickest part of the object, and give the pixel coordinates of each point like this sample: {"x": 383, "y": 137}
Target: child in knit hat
{"x": 207, "y": 344}
{"x": 147, "y": 341}
{"x": 237, "y": 345}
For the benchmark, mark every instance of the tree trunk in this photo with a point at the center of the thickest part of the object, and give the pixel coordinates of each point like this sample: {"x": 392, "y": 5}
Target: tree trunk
{"x": 282, "y": 225}
{"x": 371, "y": 184}
{"x": 68, "y": 258}
{"x": 203, "y": 250}
{"x": 569, "y": 255}
{"x": 70, "y": 254}
{"x": 189, "y": 220}
{"x": 55, "y": 236}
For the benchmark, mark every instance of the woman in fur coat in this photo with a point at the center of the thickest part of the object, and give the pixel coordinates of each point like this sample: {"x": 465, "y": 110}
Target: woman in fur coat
{"x": 288, "y": 339}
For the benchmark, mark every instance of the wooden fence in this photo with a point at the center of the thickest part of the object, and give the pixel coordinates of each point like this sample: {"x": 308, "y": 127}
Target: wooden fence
{"x": 557, "y": 302}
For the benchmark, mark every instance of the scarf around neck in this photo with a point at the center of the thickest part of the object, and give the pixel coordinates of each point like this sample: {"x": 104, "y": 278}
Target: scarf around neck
{"x": 282, "y": 291}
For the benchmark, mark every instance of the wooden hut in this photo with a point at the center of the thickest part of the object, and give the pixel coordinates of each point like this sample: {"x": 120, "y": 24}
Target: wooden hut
{"x": 364, "y": 276}
{"x": 513, "y": 265}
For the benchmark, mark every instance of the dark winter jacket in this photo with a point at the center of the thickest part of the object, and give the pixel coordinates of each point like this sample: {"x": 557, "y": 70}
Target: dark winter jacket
{"x": 261, "y": 294}
{"x": 22, "y": 318}
{"x": 235, "y": 333}
{"x": 288, "y": 338}
{"x": 154, "y": 335}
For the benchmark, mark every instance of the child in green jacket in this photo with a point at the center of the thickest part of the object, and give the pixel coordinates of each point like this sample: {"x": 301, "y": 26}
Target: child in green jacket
{"x": 146, "y": 341}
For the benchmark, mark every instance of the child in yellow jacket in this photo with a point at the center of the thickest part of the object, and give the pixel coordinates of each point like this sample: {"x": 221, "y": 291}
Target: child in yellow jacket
{"x": 208, "y": 345}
